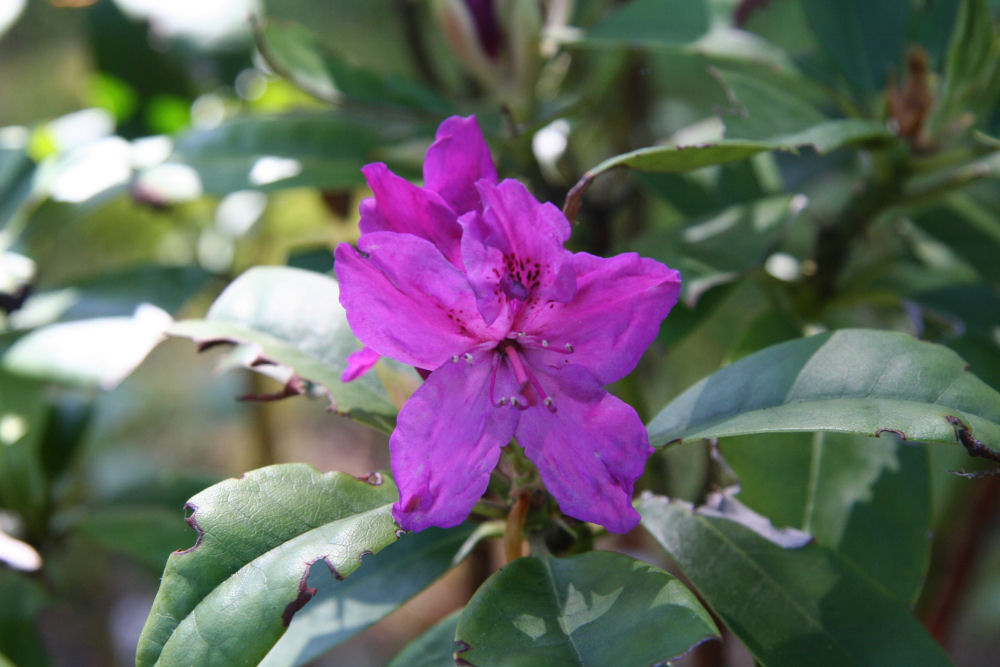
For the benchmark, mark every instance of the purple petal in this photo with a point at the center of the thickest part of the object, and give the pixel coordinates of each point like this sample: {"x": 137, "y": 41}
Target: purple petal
{"x": 447, "y": 441}
{"x": 590, "y": 451}
{"x": 457, "y": 159}
{"x": 514, "y": 251}
{"x": 400, "y": 206}
{"x": 614, "y": 316}
{"x": 406, "y": 301}
{"x": 359, "y": 362}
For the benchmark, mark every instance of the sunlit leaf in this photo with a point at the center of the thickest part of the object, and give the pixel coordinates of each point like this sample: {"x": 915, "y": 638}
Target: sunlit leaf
{"x": 589, "y": 609}
{"x": 851, "y": 381}
{"x": 788, "y": 606}
{"x": 231, "y": 596}
{"x": 23, "y": 411}
{"x": 867, "y": 500}
{"x": 293, "y": 318}
{"x": 99, "y": 352}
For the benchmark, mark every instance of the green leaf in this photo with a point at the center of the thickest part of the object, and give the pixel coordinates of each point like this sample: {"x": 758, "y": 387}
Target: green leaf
{"x": 230, "y": 597}
{"x": 972, "y": 68}
{"x": 297, "y": 51}
{"x": 117, "y": 293}
{"x": 769, "y": 113}
{"x": 294, "y": 318}
{"x": 589, "y": 609}
{"x": 805, "y": 606}
{"x": 850, "y": 381}
{"x": 867, "y": 500}
{"x": 268, "y": 153}
{"x": 651, "y": 23}
{"x": 16, "y": 170}
{"x": 341, "y": 609}
{"x": 864, "y": 39}
{"x": 143, "y": 533}
{"x": 969, "y": 229}
{"x": 684, "y": 158}
{"x": 434, "y": 648}
{"x": 23, "y": 411}
{"x": 717, "y": 248}
{"x": 23, "y": 600}
{"x": 99, "y": 352}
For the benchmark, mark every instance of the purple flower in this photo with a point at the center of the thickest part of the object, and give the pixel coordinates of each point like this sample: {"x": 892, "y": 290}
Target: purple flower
{"x": 457, "y": 159}
{"x": 519, "y": 335}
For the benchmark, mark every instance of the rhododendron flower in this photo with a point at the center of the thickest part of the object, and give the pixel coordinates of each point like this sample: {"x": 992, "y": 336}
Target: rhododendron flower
{"x": 520, "y": 336}
{"x": 457, "y": 159}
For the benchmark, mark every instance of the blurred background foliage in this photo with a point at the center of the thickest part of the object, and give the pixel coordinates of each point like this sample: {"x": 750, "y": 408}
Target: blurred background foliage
{"x": 150, "y": 152}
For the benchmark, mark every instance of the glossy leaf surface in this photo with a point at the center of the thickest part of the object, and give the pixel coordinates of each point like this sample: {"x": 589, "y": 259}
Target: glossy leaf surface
{"x": 341, "y": 609}
{"x": 788, "y": 606}
{"x": 230, "y": 597}
{"x": 293, "y": 318}
{"x": 851, "y": 381}
{"x": 591, "y": 609}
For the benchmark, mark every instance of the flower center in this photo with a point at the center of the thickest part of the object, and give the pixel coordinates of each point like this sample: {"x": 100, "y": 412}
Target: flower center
{"x": 530, "y": 390}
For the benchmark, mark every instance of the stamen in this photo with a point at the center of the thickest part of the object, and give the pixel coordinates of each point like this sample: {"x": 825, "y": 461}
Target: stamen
{"x": 531, "y": 341}
{"x": 569, "y": 347}
{"x": 467, "y": 357}
{"x": 545, "y": 343}
{"x": 454, "y": 359}
{"x": 548, "y": 404}
{"x": 523, "y": 374}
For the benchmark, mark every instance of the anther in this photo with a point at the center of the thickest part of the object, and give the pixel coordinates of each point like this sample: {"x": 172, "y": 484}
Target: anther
{"x": 467, "y": 357}
{"x": 545, "y": 343}
{"x": 455, "y": 358}
{"x": 548, "y": 404}
{"x": 569, "y": 347}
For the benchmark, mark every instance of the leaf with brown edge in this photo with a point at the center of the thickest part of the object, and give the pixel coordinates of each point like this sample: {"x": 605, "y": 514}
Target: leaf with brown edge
{"x": 288, "y": 324}
{"x": 229, "y": 598}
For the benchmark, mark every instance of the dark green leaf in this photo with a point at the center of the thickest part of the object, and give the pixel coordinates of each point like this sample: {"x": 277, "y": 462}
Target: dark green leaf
{"x": 341, "y": 609}
{"x": 230, "y": 597}
{"x": 972, "y": 71}
{"x": 772, "y": 114}
{"x": 651, "y": 23}
{"x": 684, "y": 158}
{"x": 434, "y": 648}
{"x": 805, "y": 606}
{"x": 296, "y": 51}
{"x": 293, "y": 318}
{"x": 864, "y": 39}
{"x": 147, "y": 534}
{"x": 969, "y": 229}
{"x": 23, "y": 411}
{"x": 850, "y": 381}
{"x": 718, "y": 248}
{"x": 16, "y": 170}
{"x": 867, "y": 500}
{"x": 300, "y": 150}
{"x": 23, "y": 599}
{"x": 591, "y": 609}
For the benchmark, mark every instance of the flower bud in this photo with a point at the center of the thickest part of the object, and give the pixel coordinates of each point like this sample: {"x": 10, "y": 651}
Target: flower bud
{"x": 497, "y": 41}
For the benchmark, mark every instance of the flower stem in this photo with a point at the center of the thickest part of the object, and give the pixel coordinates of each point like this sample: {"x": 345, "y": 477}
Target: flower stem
{"x": 513, "y": 537}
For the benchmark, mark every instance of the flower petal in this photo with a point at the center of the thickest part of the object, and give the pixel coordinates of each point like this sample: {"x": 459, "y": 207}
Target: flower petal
{"x": 590, "y": 450}
{"x": 359, "y": 362}
{"x": 400, "y": 206}
{"x": 514, "y": 250}
{"x": 447, "y": 441}
{"x": 457, "y": 159}
{"x": 404, "y": 300}
{"x": 614, "y": 316}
